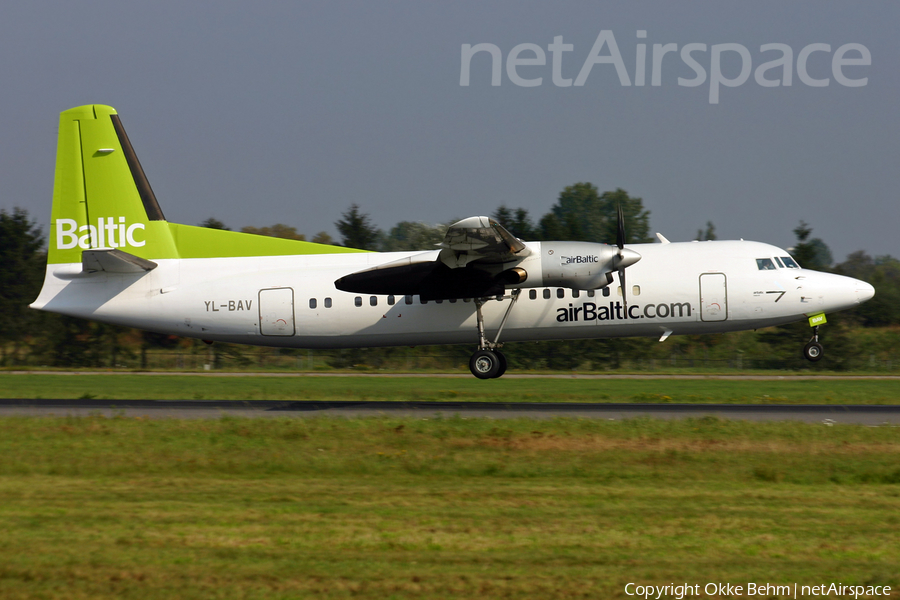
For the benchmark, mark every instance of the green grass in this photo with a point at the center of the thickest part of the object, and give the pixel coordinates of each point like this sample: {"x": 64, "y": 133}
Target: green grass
{"x": 832, "y": 390}
{"x": 438, "y": 508}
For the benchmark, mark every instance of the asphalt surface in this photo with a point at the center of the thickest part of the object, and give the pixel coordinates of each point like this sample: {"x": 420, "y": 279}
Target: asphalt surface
{"x": 204, "y": 409}
{"x": 460, "y": 375}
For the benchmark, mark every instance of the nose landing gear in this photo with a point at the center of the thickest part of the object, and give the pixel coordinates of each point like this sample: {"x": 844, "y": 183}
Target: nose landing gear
{"x": 813, "y": 351}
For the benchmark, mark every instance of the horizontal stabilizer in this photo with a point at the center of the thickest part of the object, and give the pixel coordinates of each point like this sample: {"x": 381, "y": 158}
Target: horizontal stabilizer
{"x": 112, "y": 260}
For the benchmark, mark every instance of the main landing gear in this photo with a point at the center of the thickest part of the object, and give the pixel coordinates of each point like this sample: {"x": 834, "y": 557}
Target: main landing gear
{"x": 813, "y": 351}
{"x": 488, "y": 362}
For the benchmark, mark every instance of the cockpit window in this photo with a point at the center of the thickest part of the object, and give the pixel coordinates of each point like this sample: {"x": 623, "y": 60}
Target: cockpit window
{"x": 765, "y": 264}
{"x": 789, "y": 262}
{"x": 780, "y": 264}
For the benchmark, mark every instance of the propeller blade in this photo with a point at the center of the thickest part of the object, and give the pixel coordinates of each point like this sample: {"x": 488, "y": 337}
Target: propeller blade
{"x": 620, "y": 242}
{"x": 620, "y": 227}
{"x": 624, "y": 293}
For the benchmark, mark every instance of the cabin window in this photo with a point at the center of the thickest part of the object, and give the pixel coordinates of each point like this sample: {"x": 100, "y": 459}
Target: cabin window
{"x": 439, "y": 301}
{"x": 532, "y": 294}
{"x": 408, "y": 299}
{"x": 391, "y": 300}
{"x": 618, "y": 290}
{"x": 635, "y": 290}
{"x": 452, "y": 300}
{"x": 327, "y": 302}
{"x": 546, "y": 294}
{"x": 422, "y": 301}
{"x": 312, "y": 302}
{"x": 373, "y": 300}
{"x": 591, "y": 293}
{"x": 560, "y": 293}
{"x": 789, "y": 262}
{"x": 358, "y": 301}
{"x": 576, "y": 293}
{"x": 605, "y": 292}
{"x": 765, "y": 264}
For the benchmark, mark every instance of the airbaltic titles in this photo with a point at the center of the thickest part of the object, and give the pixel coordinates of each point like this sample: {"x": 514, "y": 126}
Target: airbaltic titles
{"x": 588, "y": 311}
{"x": 108, "y": 233}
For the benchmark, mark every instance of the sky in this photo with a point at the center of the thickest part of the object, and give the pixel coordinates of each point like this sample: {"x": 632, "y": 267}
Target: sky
{"x": 289, "y": 112}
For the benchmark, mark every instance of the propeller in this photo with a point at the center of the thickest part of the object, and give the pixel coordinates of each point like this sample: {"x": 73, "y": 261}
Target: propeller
{"x": 624, "y": 257}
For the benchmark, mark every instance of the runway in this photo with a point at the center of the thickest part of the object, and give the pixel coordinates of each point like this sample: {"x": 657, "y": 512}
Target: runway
{"x": 871, "y": 415}
{"x": 461, "y": 375}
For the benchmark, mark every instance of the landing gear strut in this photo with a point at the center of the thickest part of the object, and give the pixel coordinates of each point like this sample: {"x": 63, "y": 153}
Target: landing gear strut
{"x": 488, "y": 362}
{"x": 813, "y": 351}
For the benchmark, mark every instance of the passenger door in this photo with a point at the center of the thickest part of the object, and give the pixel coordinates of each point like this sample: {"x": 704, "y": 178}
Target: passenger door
{"x": 713, "y": 297}
{"x": 276, "y": 311}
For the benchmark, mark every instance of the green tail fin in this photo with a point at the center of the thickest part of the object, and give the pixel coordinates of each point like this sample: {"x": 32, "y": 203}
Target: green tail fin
{"x": 101, "y": 197}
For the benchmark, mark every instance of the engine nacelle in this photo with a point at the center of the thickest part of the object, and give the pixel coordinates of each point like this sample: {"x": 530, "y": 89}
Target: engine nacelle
{"x": 577, "y": 265}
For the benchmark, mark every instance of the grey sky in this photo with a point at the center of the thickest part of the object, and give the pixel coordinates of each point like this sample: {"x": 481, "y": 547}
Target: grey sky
{"x": 289, "y": 112}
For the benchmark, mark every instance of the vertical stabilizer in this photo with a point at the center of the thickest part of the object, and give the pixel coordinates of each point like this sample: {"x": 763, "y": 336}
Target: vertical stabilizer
{"x": 101, "y": 197}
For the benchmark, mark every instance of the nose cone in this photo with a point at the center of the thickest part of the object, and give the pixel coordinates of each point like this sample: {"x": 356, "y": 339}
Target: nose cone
{"x": 864, "y": 291}
{"x": 626, "y": 257}
{"x": 828, "y": 292}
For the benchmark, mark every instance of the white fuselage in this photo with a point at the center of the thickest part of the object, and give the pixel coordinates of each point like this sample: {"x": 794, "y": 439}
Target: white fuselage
{"x": 291, "y": 301}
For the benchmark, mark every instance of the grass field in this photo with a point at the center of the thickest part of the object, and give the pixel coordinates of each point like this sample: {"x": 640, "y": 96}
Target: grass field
{"x": 831, "y": 390}
{"x": 438, "y": 508}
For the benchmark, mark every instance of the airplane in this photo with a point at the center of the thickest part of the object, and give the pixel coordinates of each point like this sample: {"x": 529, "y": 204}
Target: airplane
{"x": 113, "y": 257}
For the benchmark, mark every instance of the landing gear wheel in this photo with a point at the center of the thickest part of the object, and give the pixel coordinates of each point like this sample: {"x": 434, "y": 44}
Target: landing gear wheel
{"x": 485, "y": 364}
{"x": 813, "y": 351}
{"x": 503, "y": 363}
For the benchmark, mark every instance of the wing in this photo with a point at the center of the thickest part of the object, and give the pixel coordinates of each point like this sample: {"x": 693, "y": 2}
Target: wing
{"x": 456, "y": 271}
{"x": 480, "y": 239}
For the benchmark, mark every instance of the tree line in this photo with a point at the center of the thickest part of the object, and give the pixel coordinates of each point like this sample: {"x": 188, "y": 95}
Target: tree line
{"x": 581, "y": 213}
{"x": 856, "y": 339}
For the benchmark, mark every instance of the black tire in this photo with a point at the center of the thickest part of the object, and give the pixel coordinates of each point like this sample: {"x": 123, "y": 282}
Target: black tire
{"x": 503, "y": 364}
{"x": 484, "y": 364}
{"x": 813, "y": 351}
